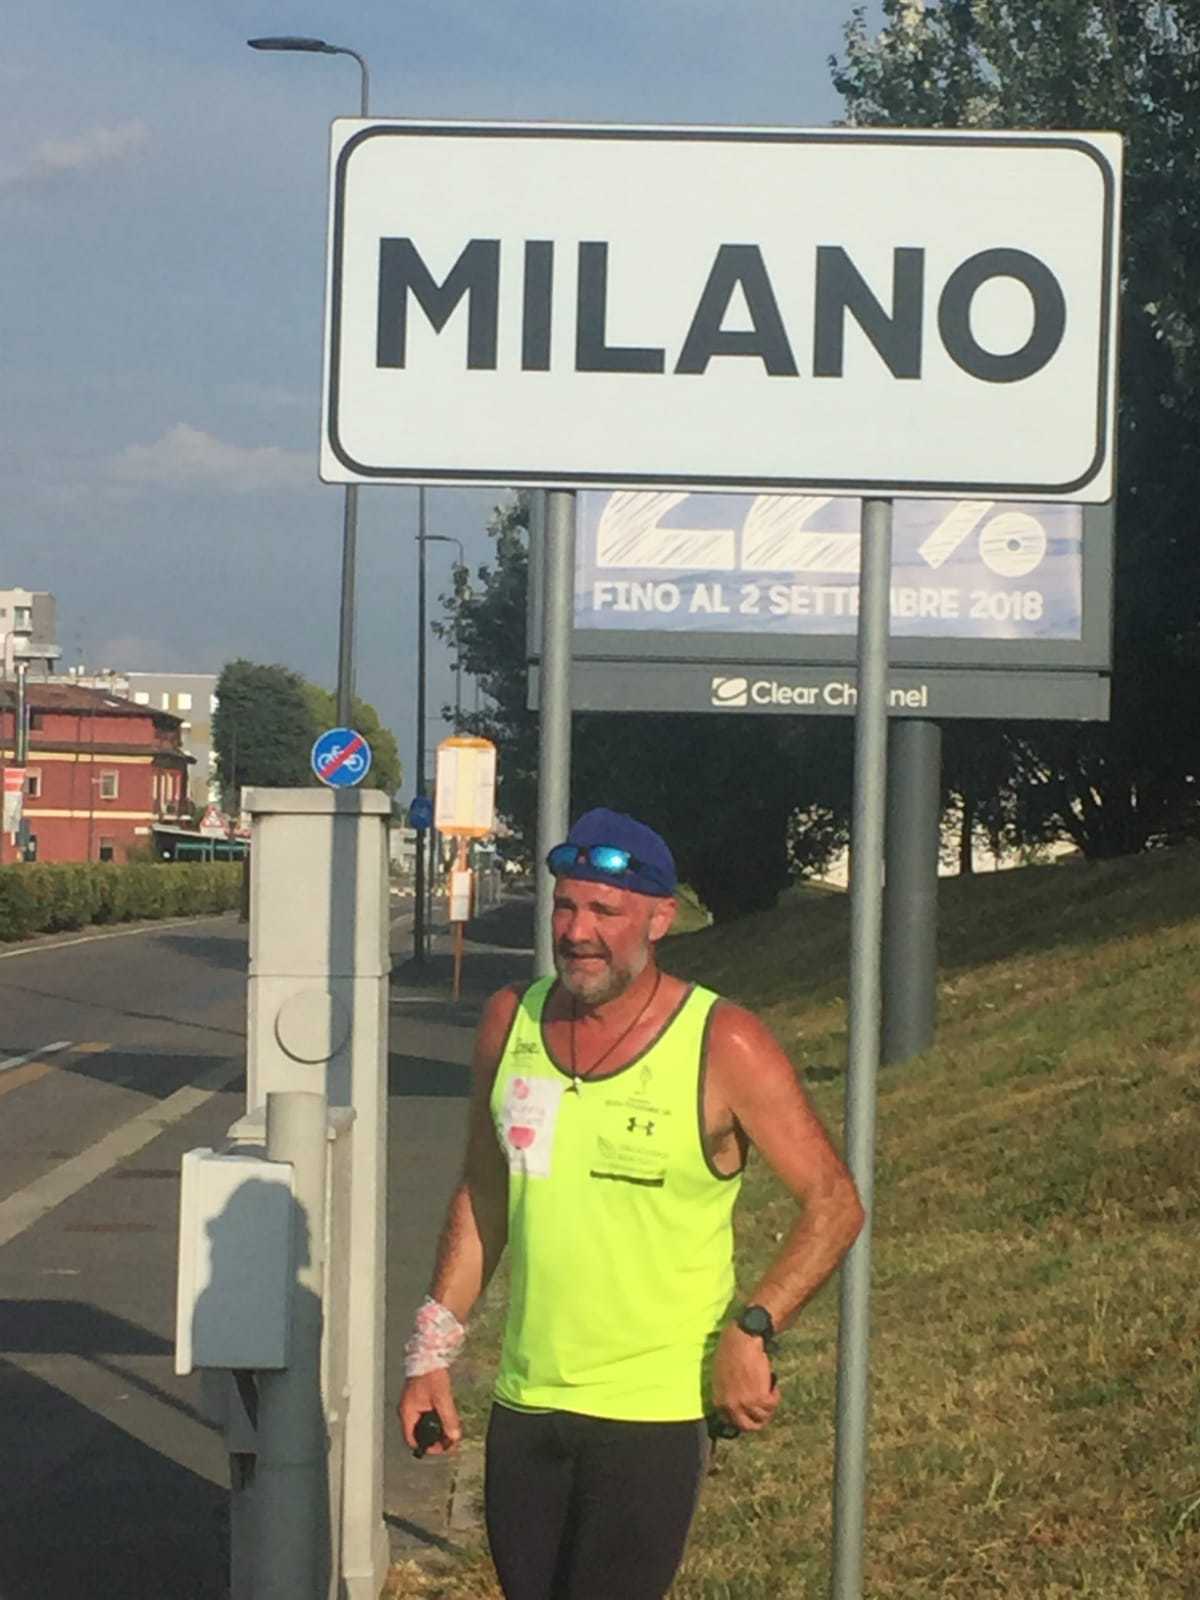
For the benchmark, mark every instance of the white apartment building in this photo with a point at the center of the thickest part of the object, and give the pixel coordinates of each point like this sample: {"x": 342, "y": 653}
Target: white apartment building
{"x": 27, "y": 619}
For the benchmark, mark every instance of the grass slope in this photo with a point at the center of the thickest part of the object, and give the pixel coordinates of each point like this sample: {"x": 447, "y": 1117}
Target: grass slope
{"x": 1036, "y": 1404}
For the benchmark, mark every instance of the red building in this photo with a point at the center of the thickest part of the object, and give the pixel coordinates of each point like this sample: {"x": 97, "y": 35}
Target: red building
{"x": 100, "y": 772}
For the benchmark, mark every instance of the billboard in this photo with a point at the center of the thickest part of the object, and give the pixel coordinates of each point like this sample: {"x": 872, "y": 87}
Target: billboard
{"x": 691, "y": 602}
{"x": 787, "y": 566}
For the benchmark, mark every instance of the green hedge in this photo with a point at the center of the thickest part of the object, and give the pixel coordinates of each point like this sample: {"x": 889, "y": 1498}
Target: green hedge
{"x": 44, "y": 898}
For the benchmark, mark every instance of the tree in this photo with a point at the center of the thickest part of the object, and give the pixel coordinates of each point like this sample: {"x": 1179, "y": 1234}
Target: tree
{"x": 1134, "y": 66}
{"x": 262, "y": 728}
{"x": 266, "y": 720}
{"x": 723, "y": 790}
{"x": 386, "y": 772}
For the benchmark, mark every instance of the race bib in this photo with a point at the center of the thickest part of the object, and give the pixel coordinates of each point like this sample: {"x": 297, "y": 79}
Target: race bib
{"x": 528, "y": 1118}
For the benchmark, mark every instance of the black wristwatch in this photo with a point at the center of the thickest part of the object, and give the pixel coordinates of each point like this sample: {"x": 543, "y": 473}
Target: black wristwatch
{"x": 757, "y": 1321}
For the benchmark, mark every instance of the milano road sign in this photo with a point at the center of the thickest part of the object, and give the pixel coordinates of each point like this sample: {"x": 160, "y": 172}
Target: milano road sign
{"x": 875, "y": 312}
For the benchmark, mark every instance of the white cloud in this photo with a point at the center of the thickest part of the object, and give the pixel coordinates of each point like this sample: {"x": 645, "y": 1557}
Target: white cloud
{"x": 187, "y": 458}
{"x": 98, "y": 147}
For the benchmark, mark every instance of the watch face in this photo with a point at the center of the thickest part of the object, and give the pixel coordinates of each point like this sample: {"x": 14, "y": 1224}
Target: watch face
{"x": 755, "y": 1319}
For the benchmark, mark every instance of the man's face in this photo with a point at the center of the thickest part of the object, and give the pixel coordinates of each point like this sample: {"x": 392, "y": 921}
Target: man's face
{"x": 603, "y": 936}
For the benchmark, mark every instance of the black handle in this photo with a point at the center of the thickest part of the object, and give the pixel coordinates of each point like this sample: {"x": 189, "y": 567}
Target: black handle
{"x": 720, "y": 1427}
{"x": 428, "y": 1431}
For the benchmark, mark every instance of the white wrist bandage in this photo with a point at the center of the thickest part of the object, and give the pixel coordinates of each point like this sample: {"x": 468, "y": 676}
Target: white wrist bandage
{"x": 437, "y": 1338}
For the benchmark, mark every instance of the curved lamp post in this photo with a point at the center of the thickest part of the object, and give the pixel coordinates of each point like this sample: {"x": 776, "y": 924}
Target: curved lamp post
{"x": 345, "y": 673}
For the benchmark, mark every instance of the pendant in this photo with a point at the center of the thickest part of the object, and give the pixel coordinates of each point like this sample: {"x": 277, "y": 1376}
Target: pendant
{"x": 573, "y": 1086}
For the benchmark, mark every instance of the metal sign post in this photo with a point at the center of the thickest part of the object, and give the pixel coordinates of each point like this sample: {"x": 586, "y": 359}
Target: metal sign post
{"x": 554, "y": 721}
{"x": 866, "y": 930}
{"x": 910, "y": 894}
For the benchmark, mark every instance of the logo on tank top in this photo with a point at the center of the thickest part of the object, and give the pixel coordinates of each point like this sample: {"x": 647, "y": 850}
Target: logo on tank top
{"x": 528, "y": 1116}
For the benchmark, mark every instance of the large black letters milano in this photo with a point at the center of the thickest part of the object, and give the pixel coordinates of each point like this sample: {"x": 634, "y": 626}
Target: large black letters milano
{"x": 897, "y": 332}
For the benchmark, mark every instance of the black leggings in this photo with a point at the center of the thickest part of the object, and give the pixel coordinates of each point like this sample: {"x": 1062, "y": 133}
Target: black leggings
{"x": 580, "y": 1508}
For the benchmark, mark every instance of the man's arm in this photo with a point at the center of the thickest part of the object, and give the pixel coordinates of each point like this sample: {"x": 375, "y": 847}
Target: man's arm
{"x": 476, "y": 1227}
{"x": 764, "y": 1096}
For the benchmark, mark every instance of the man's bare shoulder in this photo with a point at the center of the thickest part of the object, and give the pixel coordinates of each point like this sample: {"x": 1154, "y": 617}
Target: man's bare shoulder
{"x": 496, "y": 1024}
{"x": 738, "y": 1040}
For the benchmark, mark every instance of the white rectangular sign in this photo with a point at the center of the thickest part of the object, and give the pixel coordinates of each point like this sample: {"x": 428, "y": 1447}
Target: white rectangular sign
{"x": 465, "y": 787}
{"x": 460, "y": 895}
{"x": 859, "y": 311}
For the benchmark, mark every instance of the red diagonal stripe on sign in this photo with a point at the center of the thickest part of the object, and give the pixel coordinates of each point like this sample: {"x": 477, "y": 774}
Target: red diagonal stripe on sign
{"x": 355, "y": 744}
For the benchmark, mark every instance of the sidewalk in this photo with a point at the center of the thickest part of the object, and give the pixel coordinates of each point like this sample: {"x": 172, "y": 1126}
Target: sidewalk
{"x": 428, "y": 1090}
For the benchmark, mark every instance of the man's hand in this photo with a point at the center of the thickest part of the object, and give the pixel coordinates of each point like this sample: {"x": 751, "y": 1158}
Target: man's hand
{"x": 430, "y": 1392}
{"x": 742, "y": 1386}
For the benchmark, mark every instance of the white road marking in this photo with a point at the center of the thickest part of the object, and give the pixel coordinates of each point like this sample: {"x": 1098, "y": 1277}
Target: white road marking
{"x": 35, "y": 1055}
{"x": 29, "y": 1205}
{"x": 117, "y": 933}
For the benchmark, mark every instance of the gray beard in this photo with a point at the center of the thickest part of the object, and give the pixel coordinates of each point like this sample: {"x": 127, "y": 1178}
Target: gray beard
{"x": 601, "y": 989}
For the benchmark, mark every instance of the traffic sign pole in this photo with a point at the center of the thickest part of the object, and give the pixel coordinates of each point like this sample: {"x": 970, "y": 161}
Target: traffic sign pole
{"x": 911, "y": 888}
{"x": 554, "y": 715}
{"x": 866, "y": 930}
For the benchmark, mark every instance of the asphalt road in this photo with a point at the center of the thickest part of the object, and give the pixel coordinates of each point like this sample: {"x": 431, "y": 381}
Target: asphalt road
{"x": 119, "y": 1052}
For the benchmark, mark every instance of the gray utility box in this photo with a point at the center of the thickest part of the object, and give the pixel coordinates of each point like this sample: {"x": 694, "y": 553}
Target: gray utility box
{"x": 235, "y": 1263}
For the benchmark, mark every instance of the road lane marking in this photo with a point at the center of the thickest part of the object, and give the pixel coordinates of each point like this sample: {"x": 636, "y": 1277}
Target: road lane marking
{"x": 117, "y": 933}
{"x": 29, "y": 1073}
{"x": 20, "y": 1070}
{"x": 35, "y": 1055}
{"x": 29, "y": 1205}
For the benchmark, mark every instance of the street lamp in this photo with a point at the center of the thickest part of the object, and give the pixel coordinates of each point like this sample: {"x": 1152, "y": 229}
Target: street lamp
{"x": 420, "y": 916}
{"x": 448, "y": 538}
{"x": 345, "y": 669}
{"x": 23, "y": 658}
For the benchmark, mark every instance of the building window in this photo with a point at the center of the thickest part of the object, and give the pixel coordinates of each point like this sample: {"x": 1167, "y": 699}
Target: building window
{"x": 166, "y": 701}
{"x": 109, "y": 785}
{"x": 183, "y": 702}
{"x": 108, "y": 850}
{"x": 213, "y": 703}
{"x": 22, "y": 619}
{"x": 141, "y": 698}
{"x": 33, "y": 784}
{"x": 31, "y": 847}
{"x": 36, "y": 721}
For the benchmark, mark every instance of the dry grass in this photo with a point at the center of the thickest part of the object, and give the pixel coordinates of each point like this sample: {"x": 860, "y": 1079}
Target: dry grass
{"x": 1036, "y": 1368}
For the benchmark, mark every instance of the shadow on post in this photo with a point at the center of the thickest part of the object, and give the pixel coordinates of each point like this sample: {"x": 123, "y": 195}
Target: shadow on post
{"x": 282, "y": 1485}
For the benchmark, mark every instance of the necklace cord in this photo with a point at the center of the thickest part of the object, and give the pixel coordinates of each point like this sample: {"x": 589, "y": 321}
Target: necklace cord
{"x": 576, "y": 1076}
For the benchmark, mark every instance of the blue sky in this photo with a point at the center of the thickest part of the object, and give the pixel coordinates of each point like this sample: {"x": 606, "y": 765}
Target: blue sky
{"x": 163, "y": 198}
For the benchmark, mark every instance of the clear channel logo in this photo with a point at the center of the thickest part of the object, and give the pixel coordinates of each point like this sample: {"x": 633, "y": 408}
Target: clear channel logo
{"x": 730, "y": 691}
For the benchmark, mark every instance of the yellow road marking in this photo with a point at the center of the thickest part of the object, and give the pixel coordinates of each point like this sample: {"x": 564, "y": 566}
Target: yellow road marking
{"x": 29, "y": 1073}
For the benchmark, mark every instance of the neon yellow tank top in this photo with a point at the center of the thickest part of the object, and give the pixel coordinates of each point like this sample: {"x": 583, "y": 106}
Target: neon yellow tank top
{"x": 620, "y": 1233}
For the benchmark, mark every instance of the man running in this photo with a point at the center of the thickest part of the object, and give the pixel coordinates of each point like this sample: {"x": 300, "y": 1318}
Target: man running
{"x": 612, "y": 1112}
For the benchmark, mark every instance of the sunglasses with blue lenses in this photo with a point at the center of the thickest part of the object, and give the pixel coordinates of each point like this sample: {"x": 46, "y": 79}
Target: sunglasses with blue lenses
{"x": 603, "y": 857}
